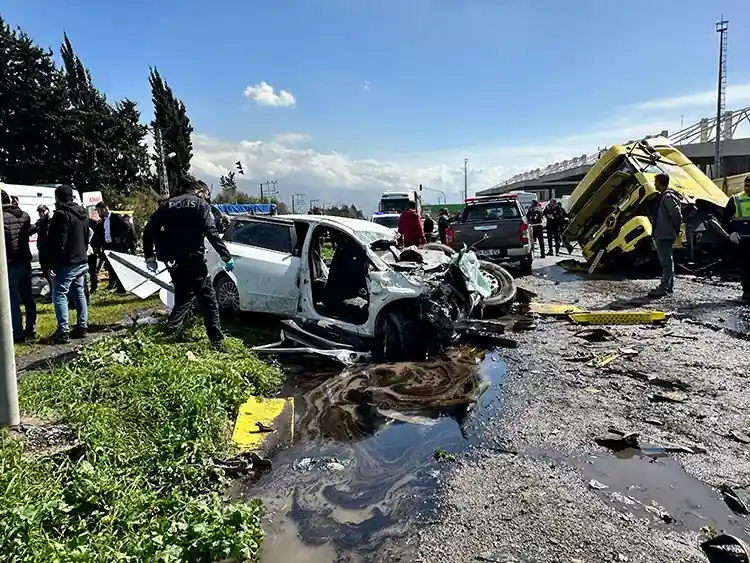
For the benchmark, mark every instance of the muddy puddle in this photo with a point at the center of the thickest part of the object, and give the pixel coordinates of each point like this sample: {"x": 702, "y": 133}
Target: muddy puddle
{"x": 361, "y": 474}
{"x": 653, "y": 485}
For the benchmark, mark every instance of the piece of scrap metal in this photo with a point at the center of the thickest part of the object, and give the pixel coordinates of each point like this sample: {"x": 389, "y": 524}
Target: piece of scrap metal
{"x": 619, "y": 317}
{"x": 710, "y": 547}
{"x": 554, "y": 309}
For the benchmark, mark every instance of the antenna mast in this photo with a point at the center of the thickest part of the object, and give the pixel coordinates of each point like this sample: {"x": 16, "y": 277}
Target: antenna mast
{"x": 721, "y": 28}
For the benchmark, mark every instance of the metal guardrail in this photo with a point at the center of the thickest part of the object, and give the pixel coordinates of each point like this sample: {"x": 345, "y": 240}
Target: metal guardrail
{"x": 702, "y": 132}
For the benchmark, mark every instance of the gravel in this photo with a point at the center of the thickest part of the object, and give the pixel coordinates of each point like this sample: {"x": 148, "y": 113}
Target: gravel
{"x": 538, "y": 506}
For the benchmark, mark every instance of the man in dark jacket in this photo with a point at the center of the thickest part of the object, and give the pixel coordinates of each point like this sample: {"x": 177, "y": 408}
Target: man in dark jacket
{"x": 17, "y": 229}
{"x": 665, "y": 228}
{"x": 96, "y": 255}
{"x": 69, "y": 241}
{"x": 443, "y": 224}
{"x": 114, "y": 233}
{"x": 535, "y": 219}
{"x": 555, "y": 220}
{"x": 178, "y": 229}
{"x": 410, "y": 226}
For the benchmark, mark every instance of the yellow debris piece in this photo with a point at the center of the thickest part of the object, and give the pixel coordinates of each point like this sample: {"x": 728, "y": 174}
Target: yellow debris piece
{"x": 553, "y": 309}
{"x": 619, "y": 317}
{"x": 276, "y": 415}
{"x": 604, "y": 359}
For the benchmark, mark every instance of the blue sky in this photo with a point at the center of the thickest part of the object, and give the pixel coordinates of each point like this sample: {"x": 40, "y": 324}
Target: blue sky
{"x": 390, "y": 93}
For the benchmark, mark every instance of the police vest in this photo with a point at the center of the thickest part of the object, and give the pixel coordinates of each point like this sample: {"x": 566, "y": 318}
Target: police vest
{"x": 741, "y": 218}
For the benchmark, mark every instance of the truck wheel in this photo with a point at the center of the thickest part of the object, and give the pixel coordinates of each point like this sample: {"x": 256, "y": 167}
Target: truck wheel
{"x": 503, "y": 284}
{"x": 227, "y": 294}
{"x": 438, "y": 246}
{"x": 399, "y": 337}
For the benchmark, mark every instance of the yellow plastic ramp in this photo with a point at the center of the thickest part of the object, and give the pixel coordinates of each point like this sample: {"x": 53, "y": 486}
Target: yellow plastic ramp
{"x": 619, "y": 317}
{"x": 276, "y": 428}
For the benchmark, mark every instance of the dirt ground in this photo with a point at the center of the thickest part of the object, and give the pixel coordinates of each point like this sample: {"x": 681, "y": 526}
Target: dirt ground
{"x": 563, "y": 497}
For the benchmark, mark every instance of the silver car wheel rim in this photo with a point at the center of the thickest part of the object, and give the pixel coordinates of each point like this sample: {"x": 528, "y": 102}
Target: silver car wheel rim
{"x": 228, "y": 296}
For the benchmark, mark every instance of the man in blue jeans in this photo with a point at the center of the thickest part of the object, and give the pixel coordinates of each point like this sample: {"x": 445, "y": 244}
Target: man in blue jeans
{"x": 69, "y": 241}
{"x": 17, "y": 228}
{"x": 666, "y": 223}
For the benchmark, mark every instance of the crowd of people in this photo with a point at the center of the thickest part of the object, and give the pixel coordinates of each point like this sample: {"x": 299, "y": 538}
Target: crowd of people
{"x": 70, "y": 248}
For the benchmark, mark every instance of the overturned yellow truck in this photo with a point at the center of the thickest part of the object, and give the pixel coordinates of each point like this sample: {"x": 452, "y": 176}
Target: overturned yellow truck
{"x": 609, "y": 211}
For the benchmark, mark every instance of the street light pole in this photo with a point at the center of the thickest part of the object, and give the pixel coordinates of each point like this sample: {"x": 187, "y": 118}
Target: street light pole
{"x": 466, "y": 179}
{"x": 9, "y": 412}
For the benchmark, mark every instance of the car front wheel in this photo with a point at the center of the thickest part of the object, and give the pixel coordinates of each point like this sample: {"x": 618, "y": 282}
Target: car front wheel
{"x": 227, "y": 294}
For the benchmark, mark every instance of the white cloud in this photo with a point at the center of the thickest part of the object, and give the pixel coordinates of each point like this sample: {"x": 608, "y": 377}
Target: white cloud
{"x": 737, "y": 95}
{"x": 360, "y": 181}
{"x": 366, "y": 85}
{"x": 263, "y": 94}
{"x": 291, "y": 138}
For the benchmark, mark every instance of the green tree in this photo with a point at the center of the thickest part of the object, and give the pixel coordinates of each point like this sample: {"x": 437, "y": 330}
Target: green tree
{"x": 32, "y": 103}
{"x": 172, "y": 129}
{"x": 106, "y": 149}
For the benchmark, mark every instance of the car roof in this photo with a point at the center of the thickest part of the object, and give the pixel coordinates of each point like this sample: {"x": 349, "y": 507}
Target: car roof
{"x": 345, "y": 222}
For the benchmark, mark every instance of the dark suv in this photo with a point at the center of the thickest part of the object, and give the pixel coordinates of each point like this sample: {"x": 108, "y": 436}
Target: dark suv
{"x": 495, "y": 226}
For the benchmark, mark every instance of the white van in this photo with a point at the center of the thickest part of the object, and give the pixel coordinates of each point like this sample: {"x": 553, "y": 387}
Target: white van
{"x": 31, "y": 197}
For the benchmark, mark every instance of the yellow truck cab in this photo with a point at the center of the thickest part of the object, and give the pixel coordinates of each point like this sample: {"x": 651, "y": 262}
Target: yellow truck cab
{"x": 609, "y": 209}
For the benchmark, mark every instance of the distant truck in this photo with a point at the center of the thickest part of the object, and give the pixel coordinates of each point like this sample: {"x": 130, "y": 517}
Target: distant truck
{"x": 395, "y": 201}
{"x": 496, "y": 227}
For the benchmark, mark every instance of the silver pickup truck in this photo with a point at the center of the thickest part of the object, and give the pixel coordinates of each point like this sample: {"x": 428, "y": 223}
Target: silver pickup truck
{"x": 496, "y": 227}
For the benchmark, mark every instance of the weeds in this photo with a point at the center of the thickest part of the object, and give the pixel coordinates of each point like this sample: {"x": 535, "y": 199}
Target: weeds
{"x": 151, "y": 416}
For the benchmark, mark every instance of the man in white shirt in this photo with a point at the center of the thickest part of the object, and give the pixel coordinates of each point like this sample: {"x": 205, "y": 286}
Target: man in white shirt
{"x": 117, "y": 235}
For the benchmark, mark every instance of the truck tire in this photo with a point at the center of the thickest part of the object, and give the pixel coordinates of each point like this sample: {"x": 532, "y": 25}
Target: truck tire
{"x": 506, "y": 291}
{"x": 400, "y": 337}
{"x": 438, "y": 246}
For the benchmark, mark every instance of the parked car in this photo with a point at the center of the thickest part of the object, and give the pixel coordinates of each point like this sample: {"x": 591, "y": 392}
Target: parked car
{"x": 609, "y": 210}
{"x": 342, "y": 275}
{"x": 496, "y": 228}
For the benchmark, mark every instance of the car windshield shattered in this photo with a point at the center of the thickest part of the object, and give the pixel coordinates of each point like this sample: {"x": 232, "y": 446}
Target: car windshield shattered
{"x": 368, "y": 237}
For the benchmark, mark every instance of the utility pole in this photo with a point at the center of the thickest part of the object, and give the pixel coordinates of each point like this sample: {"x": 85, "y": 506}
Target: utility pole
{"x": 298, "y": 202}
{"x": 466, "y": 179}
{"x": 9, "y": 413}
{"x": 721, "y": 28}
{"x": 270, "y": 191}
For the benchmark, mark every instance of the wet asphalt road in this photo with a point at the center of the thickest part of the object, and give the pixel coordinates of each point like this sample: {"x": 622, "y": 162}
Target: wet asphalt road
{"x": 539, "y": 505}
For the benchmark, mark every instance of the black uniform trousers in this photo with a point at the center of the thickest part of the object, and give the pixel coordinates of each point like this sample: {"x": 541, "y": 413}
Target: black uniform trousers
{"x": 537, "y": 232}
{"x": 553, "y": 235}
{"x": 191, "y": 282}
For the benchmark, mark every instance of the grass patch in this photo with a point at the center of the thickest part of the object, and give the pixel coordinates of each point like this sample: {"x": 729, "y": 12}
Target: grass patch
{"x": 105, "y": 308}
{"x": 151, "y": 416}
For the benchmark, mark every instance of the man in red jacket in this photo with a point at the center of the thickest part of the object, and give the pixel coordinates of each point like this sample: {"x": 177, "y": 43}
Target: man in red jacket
{"x": 410, "y": 226}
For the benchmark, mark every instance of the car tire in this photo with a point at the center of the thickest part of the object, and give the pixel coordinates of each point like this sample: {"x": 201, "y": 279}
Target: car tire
{"x": 506, "y": 293}
{"x": 438, "y": 246}
{"x": 227, "y": 294}
{"x": 399, "y": 337}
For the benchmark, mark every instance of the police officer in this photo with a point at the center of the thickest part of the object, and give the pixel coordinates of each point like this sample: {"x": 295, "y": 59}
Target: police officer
{"x": 737, "y": 222}
{"x": 179, "y": 228}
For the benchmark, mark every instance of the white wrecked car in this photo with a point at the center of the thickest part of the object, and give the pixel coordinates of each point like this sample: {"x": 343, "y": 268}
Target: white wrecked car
{"x": 339, "y": 277}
